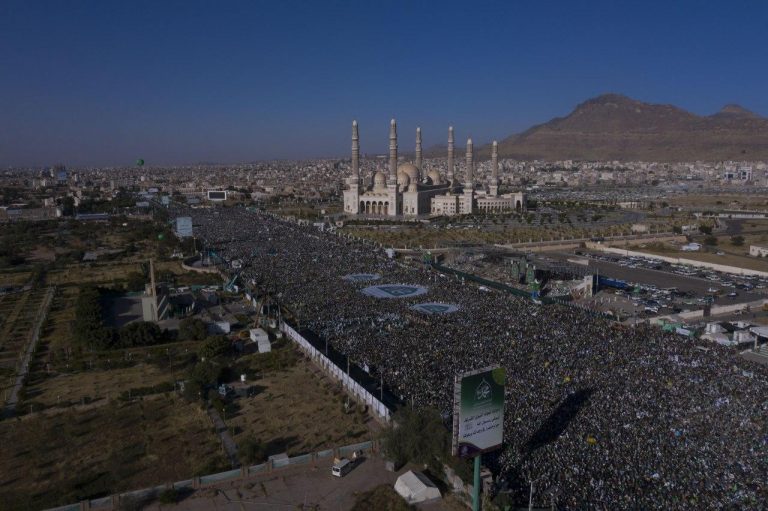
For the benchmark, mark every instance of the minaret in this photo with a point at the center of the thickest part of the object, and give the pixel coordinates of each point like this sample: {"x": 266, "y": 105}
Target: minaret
{"x": 470, "y": 164}
{"x": 393, "y": 151}
{"x": 469, "y": 192}
{"x": 450, "y": 158}
{"x": 494, "y": 187}
{"x": 355, "y": 152}
{"x": 393, "y": 198}
{"x": 352, "y": 193}
{"x": 418, "y": 152}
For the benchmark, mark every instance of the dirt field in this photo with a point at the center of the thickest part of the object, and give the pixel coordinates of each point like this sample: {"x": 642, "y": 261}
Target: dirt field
{"x": 93, "y": 385}
{"x": 17, "y": 314}
{"x": 92, "y": 274}
{"x": 60, "y": 459}
{"x": 295, "y": 411}
{"x": 14, "y": 278}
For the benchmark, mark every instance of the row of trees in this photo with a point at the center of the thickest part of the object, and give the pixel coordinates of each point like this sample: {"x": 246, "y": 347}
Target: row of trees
{"x": 91, "y": 332}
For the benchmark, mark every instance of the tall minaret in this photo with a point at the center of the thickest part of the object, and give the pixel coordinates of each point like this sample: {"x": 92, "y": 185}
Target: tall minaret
{"x": 355, "y": 152}
{"x": 393, "y": 151}
{"x": 418, "y": 152}
{"x": 450, "y": 158}
{"x": 352, "y": 193}
{"x": 470, "y": 164}
{"x": 392, "y": 204}
{"x": 469, "y": 192}
{"x": 494, "y": 187}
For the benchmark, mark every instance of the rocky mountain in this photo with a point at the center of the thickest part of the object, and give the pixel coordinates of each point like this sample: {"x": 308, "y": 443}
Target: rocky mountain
{"x": 615, "y": 127}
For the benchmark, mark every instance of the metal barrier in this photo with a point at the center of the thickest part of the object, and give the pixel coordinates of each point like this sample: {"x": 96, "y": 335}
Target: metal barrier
{"x": 324, "y": 454}
{"x": 188, "y": 483}
{"x": 221, "y": 476}
{"x": 363, "y": 446}
{"x": 301, "y": 459}
{"x": 257, "y": 469}
{"x": 102, "y": 502}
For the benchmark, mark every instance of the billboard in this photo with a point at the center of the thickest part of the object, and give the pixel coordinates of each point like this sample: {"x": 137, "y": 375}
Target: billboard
{"x": 217, "y": 195}
{"x": 478, "y": 411}
{"x": 184, "y": 226}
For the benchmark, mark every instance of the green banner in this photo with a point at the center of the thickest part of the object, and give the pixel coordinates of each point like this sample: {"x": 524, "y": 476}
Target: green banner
{"x": 479, "y": 412}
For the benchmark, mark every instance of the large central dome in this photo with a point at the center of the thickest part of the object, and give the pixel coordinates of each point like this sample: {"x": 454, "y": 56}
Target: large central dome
{"x": 410, "y": 169}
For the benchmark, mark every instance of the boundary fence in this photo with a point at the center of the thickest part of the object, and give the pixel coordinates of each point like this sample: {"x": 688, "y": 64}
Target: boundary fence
{"x": 112, "y": 502}
{"x": 348, "y": 381}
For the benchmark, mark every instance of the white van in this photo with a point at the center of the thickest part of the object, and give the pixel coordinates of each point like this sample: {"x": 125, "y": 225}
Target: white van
{"x": 341, "y": 467}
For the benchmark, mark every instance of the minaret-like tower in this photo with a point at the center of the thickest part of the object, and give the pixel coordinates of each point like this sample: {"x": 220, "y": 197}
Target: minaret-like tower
{"x": 469, "y": 192}
{"x": 393, "y": 202}
{"x": 451, "y": 182}
{"x": 355, "y": 152}
{"x": 393, "y": 151}
{"x": 418, "y": 152}
{"x": 494, "y": 187}
{"x": 352, "y": 193}
{"x": 470, "y": 164}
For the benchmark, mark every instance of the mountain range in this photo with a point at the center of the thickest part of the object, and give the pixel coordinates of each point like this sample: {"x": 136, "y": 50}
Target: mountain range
{"x": 616, "y": 127}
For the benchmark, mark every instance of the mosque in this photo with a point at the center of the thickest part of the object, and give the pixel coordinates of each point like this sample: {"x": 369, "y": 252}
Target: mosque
{"x": 407, "y": 190}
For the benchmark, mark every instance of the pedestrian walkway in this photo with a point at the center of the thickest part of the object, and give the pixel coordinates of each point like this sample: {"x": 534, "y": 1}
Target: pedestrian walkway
{"x": 226, "y": 439}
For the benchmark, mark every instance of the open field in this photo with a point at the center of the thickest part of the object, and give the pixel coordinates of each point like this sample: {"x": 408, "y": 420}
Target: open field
{"x": 17, "y": 314}
{"x": 60, "y": 459}
{"x": 98, "y": 273}
{"x": 14, "y": 278}
{"x": 297, "y": 411}
{"x": 732, "y": 255}
{"x": 92, "y": 385}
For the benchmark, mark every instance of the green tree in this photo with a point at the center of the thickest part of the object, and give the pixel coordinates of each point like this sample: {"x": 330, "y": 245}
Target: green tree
{"x": 419, "y": 437}
{"x": 710, "y": 240}
{"x": 192, "y": 329}
{"x": 135, "y": 281}
{"x": 705, "y": 229}
{"x": 737, "y": 241}
{"x": 252, "y": 451}
{"x": 213, "y": 347}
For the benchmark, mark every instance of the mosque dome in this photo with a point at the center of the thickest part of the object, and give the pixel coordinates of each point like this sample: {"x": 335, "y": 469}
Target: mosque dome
{"x": 412, "y": 187}
{"x": 379, "y": 181}
{"x": 410, "y": 169}
{"x": 403, "y": 179}
{"x": 434, "y": 175}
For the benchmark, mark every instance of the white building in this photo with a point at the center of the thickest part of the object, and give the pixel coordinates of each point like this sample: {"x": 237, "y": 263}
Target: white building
{"x": 409, "y": 191}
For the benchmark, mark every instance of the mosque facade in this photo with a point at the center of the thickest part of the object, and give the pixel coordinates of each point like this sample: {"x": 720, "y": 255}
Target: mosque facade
{"x": 406, "y": 190}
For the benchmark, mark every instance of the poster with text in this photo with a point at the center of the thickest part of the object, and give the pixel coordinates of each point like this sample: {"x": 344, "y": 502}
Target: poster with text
{"x": 478, "y": 412}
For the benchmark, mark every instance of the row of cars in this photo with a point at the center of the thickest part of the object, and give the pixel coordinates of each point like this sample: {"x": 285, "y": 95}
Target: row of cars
{"x": 726, "y": 280}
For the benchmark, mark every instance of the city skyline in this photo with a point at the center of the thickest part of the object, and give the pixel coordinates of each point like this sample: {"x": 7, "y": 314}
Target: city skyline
{"x": 105, "y": 84}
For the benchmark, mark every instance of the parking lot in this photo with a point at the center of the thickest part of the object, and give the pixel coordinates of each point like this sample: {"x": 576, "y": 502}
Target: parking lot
{"x": 662, "y": 288}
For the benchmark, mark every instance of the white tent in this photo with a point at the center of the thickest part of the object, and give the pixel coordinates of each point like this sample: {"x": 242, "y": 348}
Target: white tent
{"x": 415, "y": 487}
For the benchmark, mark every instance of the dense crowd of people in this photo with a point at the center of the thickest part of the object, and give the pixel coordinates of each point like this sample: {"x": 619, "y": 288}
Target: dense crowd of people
{"x": 598, "y": 415}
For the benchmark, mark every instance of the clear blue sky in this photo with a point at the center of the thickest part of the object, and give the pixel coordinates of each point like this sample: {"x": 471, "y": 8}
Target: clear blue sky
{"x": 106, "y": 82}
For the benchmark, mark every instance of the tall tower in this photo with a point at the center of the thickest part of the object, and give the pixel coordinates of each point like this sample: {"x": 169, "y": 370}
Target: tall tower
{"x": 393, "y": 151}
{"x": 352, "y": 193}
{"x": 451, "y": 182}
{"x": 469, "y": 192}
{"x": 418, "y": 152}
{"x": 393, "y": 206}
{"x": 355, "y": 152}
{"x": 494, "y": 187}
{"x": 470, "y": 165}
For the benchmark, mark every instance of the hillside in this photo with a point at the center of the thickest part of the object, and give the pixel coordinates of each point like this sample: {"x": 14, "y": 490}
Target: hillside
{"x": 615, "y": 127}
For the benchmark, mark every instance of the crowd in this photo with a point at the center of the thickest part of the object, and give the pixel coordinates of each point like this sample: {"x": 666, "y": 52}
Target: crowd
{"x": 597, "y": 415}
